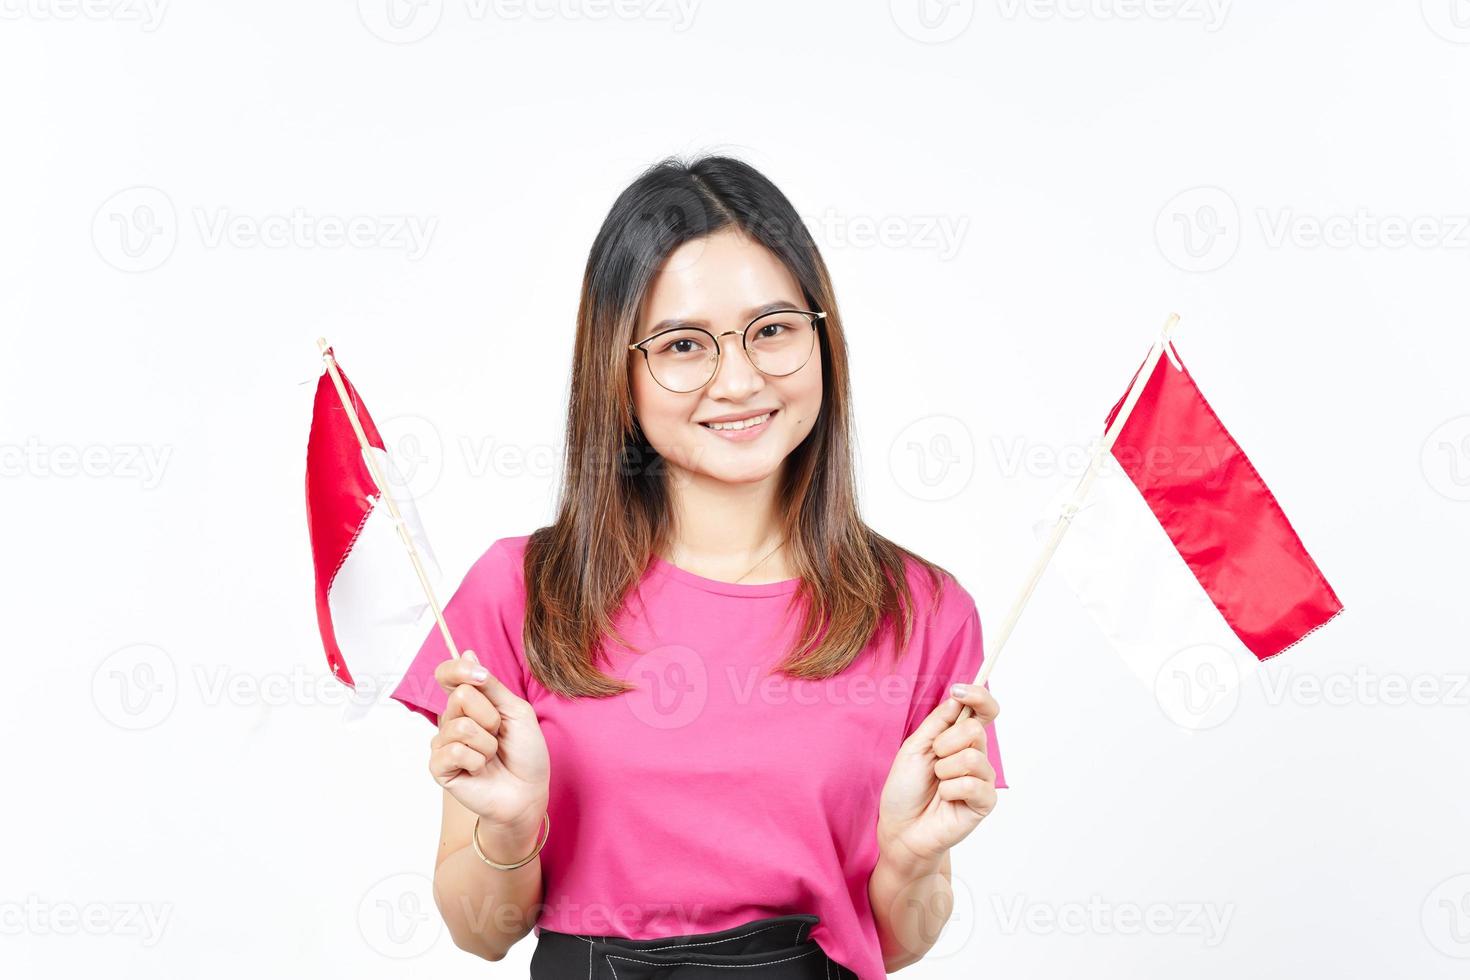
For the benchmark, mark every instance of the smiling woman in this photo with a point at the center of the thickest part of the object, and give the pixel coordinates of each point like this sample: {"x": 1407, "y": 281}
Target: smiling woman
{"x": 725, "y": 690}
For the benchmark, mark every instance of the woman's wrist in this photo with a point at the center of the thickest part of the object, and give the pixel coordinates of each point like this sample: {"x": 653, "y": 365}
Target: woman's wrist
{"x": 906, "y": 861}
{"x": 509, "y": 843}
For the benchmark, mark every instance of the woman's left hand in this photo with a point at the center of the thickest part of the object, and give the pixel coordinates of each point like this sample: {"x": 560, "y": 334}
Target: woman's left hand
{"x": 942, "y": 783}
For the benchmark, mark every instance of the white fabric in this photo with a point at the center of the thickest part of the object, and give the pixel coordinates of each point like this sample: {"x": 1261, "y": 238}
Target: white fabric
{"x": 1148, "y": 604}
{"x": 376, "y": 599}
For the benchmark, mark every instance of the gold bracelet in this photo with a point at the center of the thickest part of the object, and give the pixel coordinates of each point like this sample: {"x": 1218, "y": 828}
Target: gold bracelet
{"x": 475, "y": 839}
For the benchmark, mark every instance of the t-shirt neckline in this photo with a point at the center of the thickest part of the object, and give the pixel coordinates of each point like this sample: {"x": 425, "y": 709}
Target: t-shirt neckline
{"x": 660, "y": 566}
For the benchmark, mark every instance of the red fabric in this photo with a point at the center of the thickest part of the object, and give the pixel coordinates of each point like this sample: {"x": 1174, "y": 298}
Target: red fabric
{"x": 1224, "y": 521}
{"x": 338, "y": 484}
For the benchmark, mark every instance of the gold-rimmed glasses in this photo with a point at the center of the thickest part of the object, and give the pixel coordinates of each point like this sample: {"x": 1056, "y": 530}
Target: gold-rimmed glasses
{"x": 684, "y": 359}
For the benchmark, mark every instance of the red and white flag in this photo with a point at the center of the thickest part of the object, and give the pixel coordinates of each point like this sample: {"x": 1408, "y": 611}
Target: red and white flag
{"x": 1182, "y": 555}
{"x": 368, "y": 595}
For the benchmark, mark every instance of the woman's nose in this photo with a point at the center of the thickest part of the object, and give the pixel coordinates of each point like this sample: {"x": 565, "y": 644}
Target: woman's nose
{"x": 734, "y": 375}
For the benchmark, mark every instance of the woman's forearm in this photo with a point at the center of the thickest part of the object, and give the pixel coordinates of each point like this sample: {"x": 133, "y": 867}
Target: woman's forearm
{"x": 488, "y": 910}
{"x": 912, "y": 899}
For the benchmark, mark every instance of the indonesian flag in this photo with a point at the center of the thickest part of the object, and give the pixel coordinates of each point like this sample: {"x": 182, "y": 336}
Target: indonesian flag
{"x": 1182, "y": 555}
{"x": 368, "y": 596}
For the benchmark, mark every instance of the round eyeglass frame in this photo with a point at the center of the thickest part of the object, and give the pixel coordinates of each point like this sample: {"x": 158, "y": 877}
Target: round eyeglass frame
{"x": 719, "y": 351}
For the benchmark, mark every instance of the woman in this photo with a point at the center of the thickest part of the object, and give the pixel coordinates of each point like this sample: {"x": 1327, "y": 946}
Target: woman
{"x": 704, "y": 721}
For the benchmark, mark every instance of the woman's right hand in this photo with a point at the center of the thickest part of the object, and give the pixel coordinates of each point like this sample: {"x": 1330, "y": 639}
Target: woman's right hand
{"x": 489, "y": 753}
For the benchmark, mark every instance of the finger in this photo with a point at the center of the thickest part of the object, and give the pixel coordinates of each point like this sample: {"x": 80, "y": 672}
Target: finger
{"x": 963, "y": 734}
{"x": 937, "y": 721}
{"x": 455, "y": 671}
{"x": 450, "y": 760}
{"x": 966, "y": 762}
{"x": 495, "y": 692}
{"x": 469, "y": 701}
{"x": 979, "y": 699}
{"x": 468, "y": 732}
{"x": 976, "y": 793}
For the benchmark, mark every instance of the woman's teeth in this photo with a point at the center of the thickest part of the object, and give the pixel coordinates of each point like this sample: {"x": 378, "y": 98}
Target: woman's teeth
{"x": 742, "y": 424}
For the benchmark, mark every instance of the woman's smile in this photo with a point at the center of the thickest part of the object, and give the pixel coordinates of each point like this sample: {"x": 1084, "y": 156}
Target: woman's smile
{"x": 743, "y": 430}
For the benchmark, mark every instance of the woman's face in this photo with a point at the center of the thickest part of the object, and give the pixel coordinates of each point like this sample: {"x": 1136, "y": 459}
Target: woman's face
{"x": 721, "y": 282}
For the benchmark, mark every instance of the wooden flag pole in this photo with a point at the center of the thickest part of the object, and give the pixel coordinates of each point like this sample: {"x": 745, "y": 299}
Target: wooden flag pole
{"x": 384, "y": 494}
{"x": 1083, "y": 485}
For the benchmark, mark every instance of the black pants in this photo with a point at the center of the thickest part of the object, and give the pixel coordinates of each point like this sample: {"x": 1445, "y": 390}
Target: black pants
{"x": 762, "y": 949}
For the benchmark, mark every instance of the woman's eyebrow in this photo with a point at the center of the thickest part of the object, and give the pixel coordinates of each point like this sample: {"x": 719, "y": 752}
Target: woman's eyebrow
{"x": 751, "y": 314}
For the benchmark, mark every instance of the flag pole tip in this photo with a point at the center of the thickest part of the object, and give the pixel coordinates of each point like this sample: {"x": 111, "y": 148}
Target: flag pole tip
{"x": 321, "y": 344}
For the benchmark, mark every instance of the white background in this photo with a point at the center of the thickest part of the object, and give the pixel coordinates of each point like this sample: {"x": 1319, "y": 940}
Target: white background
{"x": 1011, "y": 197}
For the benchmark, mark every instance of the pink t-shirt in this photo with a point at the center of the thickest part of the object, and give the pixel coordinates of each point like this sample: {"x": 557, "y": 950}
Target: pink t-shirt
{"x": 713, "y": 794}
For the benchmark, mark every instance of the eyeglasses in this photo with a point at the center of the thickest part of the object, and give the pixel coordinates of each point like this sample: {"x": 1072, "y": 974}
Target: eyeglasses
{"x": 684, "y": 359}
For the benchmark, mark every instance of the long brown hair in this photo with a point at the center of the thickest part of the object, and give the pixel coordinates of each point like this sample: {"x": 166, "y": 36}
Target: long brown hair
{"x": 614, "y": 510}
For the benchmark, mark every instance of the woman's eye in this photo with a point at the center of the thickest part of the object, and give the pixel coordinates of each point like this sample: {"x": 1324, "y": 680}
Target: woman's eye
{"x": 679, "y": 345}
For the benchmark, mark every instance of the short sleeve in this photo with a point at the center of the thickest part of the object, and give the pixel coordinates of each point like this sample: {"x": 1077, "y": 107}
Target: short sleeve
{"x": 956, "y": 660}
{"x": 485, "y": 614}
